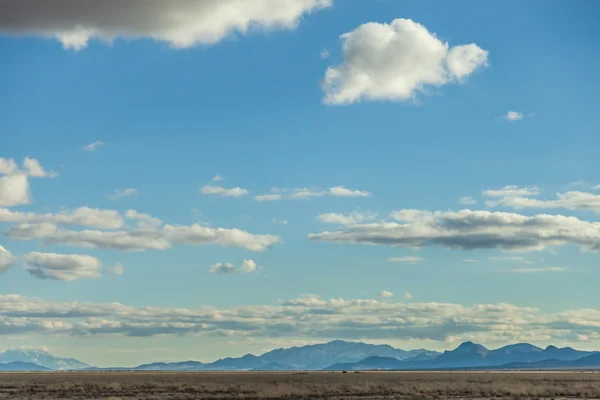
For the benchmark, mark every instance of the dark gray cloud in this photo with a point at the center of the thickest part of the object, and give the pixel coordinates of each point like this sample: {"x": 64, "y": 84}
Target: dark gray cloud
{"x": 470, "y": 230}
{"x": 181, "y": 23}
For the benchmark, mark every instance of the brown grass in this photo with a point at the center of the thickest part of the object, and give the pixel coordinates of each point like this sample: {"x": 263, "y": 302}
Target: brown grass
{"x": 290, "y": 385}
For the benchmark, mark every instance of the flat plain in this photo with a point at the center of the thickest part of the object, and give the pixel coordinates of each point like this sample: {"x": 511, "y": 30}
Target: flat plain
{"x": 127, "y": 385}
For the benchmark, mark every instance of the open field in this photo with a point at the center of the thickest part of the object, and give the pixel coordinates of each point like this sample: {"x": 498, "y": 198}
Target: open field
{"x": 292, "y": 385}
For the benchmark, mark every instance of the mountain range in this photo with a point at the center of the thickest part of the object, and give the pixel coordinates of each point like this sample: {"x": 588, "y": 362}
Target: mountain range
{"x": 341, "y": 355}
{"x": 471, "y": 355}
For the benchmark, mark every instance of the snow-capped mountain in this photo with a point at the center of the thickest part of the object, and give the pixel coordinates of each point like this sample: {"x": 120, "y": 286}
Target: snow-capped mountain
{"x": 41, "y": 358}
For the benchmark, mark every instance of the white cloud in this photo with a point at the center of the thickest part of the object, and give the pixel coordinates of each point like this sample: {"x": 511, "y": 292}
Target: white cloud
{"x": 145, "y": 238}
{"x": 279, "y": 221}
{"x": 268, "y": 197}
{"x": 217, "y": 178}
{"x": 82, "y": 216}
{"x": 324, "y": 54}
{"x": 247, "y": 266}
{"x": 144, "y": 221}
{"x": 341, "y": 191}
{"x": 347, "y": 218}
{"x": 221, "y": 191}
{"x": 95, "y": 145}
{"x": 470, "y": 230}
{"x": 6, "y": 259}
{"x": 14, "y": 182}
{"x": 536, "y": 270}
{"x": 408, "y": 295}
{"x": 470, "y": 260}
{"x": 14, "y": 190}
{"x": 181, "y": 23}
{"x": 395, "y": 62}
{"x": 305, "y": 193}
{"x": 406, "y": 260}
{"x": 34, "y": 169}
{"x": 121, "y": 193}
{"x": 467, "y": 200}
{"x": 512, "y": 191}
{"x": 385, "y": 293}
{"x": 573, "y": 200}
{"x": 8, "y": 166}
{"x": 513, "y": 116}
{"x": 516, "y": 259}
{"x": 65, "y": 267}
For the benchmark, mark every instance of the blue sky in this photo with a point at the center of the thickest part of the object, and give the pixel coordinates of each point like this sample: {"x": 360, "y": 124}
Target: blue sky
{"x": 174, "y": 106}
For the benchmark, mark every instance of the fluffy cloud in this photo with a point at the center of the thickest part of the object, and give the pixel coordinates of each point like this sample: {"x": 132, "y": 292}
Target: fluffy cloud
{"x": 305, "y": 193}
{"x": 6, "y": 259}
{"x": 221, "y": 191}
{"x": 93, "y": 146}
{"x": 14, "y": 181}
{"x": 406, "y": 260}
{"x": 144, "y": 221}
{"x": 143, "y": 239}
{"x": 396, "y": 61}
{"x": 181, "y": 23}
{"x": 247, "y": 266}
{"x": 65, "y": 267}
{"x": 306, "y": 317}
{"x": 408, "y": 295}
{"x": 513, "y": 116}
{"x": 121, "y": 193}
{"x": 573, "y": 200}
{"x": 347, "y": 218}
{"x": 385, "y": 293}
{"x": 33, "y": 168}
{"x": 14, "y": 190}
{"x": 470, "y": 230}
{"x": 82, "y": 216}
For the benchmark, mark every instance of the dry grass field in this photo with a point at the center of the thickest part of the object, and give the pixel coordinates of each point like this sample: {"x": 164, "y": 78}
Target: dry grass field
{"x": 290, "y": 385}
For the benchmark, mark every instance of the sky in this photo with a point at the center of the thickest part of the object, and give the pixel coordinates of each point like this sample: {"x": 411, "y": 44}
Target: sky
{"x": 213, "y": 178}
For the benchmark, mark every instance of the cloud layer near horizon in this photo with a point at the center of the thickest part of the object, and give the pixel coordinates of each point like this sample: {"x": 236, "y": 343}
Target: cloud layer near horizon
{"x": 304, "y": 317}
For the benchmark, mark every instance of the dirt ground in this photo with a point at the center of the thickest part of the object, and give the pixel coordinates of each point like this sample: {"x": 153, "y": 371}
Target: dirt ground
{"x": 299, "y": 385}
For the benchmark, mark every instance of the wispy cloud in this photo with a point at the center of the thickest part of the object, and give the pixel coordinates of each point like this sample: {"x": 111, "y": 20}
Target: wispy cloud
{"x": 467, "y": 200}
{"x": 93, "y": 146}
{"x": 221, "y": 191}
{"x": 406, "y": 260}
{"x": 538, "y": 270}
{"x": 306, "y": 193}
{"x": 122, "y": 193}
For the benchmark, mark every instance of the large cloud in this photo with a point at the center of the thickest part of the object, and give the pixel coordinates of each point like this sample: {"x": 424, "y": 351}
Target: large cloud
{"x": 516, "y": 197}
{"x": 305, "y": 317}
{"x": 64, "y": 267}
{"x": 82, "y": 216}
{"x": 396, "y": 61}
{"x": 143, "y": 239}
{"x": 181, "y": 23}
{"x": 469, "y": 230}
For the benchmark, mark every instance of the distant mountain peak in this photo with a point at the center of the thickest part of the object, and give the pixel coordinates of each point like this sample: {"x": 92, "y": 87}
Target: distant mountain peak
{"x": 551, "y": 348}
{"x": 470, "y": 346}
{"x": 41, "y": 358}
